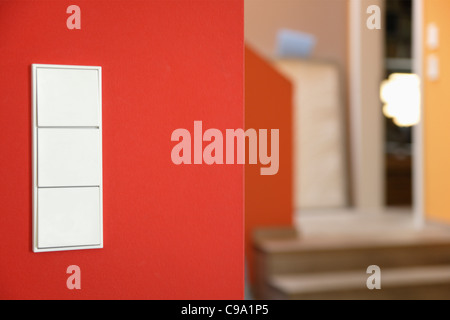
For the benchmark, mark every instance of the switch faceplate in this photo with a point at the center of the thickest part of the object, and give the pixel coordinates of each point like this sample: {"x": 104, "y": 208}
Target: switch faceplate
{"x": 67, "y": 157}
{"x": 68, "y": 217}
{"x": 432, "y": 36}
{"x": 67, "y": 97}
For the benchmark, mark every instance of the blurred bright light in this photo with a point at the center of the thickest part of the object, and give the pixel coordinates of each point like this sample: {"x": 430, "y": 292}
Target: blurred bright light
{"x": 401, "y": 97}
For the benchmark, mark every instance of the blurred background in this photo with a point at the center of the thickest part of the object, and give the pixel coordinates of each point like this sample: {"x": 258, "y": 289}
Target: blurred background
{"x": 358, "y": 91}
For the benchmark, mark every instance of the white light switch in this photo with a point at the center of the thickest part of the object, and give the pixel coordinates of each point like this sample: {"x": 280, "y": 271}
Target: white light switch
{"x": 432, "y": 36}
{"x": 433, "y": 67}
{"x": 67, "y": 97}
{"x": 67, "y": 158}
{"x": 68, "y": 217}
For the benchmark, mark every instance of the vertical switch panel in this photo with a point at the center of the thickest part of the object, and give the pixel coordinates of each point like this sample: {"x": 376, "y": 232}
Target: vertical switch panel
{"x": 67, "y": 157}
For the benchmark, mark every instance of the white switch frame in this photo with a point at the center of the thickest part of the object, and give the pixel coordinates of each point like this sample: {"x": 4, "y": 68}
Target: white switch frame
{"x": 34, "y": 126}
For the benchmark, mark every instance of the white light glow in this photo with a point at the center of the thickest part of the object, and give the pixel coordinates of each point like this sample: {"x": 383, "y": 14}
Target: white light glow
{"x": 401, "y": 97}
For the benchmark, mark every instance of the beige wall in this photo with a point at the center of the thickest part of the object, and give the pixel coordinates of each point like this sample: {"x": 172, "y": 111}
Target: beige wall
{"x": 326, "y": 19}
{"x": 366, "y": 65}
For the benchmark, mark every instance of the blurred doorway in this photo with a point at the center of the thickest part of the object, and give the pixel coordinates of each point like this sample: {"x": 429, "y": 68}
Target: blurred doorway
{"x": 398, "y": 151}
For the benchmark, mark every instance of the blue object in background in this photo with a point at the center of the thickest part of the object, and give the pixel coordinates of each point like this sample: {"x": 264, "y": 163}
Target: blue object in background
{"x": 291, "y": 44}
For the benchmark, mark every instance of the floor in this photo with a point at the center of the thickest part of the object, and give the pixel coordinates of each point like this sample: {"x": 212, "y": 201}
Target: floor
{"x": 349, "y": 229}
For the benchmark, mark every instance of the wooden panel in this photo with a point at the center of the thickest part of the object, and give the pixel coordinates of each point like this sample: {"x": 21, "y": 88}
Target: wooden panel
{"x": 319, "y": 137}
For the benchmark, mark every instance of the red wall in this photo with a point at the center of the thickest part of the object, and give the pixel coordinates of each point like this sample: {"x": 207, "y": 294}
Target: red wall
{"x": 268, "y": 105}
{"x": 170, "y": 232}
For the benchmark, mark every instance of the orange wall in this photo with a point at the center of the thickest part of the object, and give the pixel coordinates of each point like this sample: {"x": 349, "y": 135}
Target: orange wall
{"x": 437, "y": 117}
{"x": 268, "y": 105}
